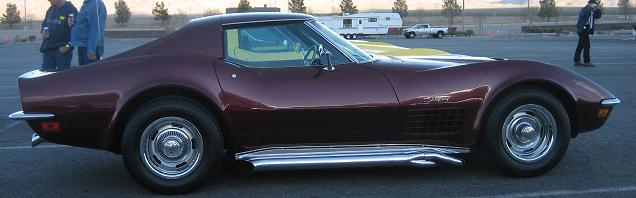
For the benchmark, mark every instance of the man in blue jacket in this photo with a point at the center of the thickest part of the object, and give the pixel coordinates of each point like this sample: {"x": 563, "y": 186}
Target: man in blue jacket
{"x": 56, "y": 32}
{"x": 585, "y": 28}
{"x": 88, "y": 31}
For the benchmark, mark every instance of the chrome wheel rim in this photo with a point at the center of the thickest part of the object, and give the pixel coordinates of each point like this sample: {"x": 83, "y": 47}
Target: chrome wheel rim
{"x": 171, "y": 147}
{"x": 529, "y": 133}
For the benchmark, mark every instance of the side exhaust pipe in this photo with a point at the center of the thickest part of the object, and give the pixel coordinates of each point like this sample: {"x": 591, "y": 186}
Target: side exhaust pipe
{"x": 36, "y": 140}
{"x": 348, "y": 157}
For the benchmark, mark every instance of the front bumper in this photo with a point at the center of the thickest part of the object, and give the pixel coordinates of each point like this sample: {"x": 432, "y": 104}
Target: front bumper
{"x": 610, "y": 102}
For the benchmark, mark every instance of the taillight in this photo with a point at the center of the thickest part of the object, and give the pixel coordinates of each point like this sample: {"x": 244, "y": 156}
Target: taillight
{"x": 50, "y": 126}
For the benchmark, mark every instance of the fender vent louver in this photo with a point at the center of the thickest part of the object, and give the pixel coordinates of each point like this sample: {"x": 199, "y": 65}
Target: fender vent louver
{"x": 433, "y": 121}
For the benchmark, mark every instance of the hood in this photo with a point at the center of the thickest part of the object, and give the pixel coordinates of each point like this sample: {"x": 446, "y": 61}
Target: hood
{"x": 433, "y": 62}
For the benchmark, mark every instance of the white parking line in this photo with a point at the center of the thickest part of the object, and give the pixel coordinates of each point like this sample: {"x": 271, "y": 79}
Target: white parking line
{"x": 29, "y": 147}
{"x": 9, "y": 126}
{"x": 9, "y": 97}
{"x": 556, "y": 193}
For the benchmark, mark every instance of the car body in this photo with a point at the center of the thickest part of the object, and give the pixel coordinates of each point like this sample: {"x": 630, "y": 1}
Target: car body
{"x": 276, "y": 109}
{"x": 425, "y": 29}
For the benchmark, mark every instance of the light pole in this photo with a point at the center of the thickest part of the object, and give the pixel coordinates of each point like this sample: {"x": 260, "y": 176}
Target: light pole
{"x": 463, "y": 15}
{"x": 529, "y": 14}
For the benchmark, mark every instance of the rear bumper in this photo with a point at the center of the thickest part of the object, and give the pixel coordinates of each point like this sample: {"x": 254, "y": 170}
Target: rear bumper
{"x": 20, "y": 115}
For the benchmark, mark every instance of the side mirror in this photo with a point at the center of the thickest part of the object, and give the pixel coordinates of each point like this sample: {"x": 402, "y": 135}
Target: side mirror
{"x": 325, "y": 59}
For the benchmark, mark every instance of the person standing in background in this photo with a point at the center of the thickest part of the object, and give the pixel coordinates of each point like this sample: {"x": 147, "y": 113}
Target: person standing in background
{"x": 56, "y": 32}
{"x": 88, "y": 31}
{"x": 585, "y": 28}
{"x": 634, "y": 31}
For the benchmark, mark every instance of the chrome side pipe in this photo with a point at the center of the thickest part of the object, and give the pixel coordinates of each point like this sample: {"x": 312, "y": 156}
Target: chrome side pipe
{"x": 350, "y": 156}
{"x": 36, "y": 140}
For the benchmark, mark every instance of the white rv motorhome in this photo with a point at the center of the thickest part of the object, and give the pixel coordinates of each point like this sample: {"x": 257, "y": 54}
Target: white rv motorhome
{"x": 353, "y": 26}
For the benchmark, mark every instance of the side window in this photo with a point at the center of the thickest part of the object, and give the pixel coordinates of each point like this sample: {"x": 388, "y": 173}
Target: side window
{"x": 346, "y": 23}
{"x": 267, "y": 46}
{"x": 373, "y": 19}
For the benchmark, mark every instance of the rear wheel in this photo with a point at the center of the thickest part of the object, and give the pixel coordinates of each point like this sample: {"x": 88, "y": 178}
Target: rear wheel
{"x": 440, "y": 35}
{"x": 172, "y": 145}
{"x": 527, "y": 133}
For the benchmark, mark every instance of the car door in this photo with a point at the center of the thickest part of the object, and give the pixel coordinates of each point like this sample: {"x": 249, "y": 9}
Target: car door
{"x": 277, "y": 97}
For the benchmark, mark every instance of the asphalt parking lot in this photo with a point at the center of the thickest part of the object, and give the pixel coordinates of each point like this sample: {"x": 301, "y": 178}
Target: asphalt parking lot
{"x": 599, "y": 163}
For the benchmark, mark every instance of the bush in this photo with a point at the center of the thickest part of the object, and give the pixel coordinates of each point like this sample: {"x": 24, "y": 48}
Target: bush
{"x": 470, "y": 33}
{"x": 466, "y": 33}
{"x": 32, "y": 38}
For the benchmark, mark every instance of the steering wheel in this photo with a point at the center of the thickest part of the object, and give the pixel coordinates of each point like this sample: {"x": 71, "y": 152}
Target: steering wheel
{"x": 311, "y": 61}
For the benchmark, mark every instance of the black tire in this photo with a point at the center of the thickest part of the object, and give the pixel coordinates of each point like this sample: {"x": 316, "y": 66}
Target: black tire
{"x": 174, "y": 107}
{"x": 411, "y": 35}
{"x": 440, "y": 35}
{"x": 497, "y": 148}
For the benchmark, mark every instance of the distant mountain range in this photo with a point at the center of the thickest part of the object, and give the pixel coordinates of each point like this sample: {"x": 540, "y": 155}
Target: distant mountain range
{"x": 37, "y": 8}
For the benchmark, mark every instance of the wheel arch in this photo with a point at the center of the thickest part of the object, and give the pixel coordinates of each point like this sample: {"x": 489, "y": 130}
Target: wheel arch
{"x": 565, "y": 97}
{"x": 144, "y": 96}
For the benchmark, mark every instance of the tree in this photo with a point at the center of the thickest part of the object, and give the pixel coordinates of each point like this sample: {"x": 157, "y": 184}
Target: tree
{"x": 211, "y": 12}
{"x": 160, "y": 13}
{"x": 625, "y": 8}
{"x": 399, "y": 6}
{"x": 244, "y": 6}
{"x": 451, "y": 9}
{"x": 297, "y": 6}
{"x": 548, "y": 9}
{"x": 346, "y": 6}
{"x": 310, "y": 11}
{"x": 122, "y": 12}
{"x": 182, "y": 17}
{"x": 11, "y": 15}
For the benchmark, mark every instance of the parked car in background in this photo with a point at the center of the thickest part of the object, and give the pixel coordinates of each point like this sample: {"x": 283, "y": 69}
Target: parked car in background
{"x": 353, "y": 26}
{"x": 280, "y": 91}
{"x": 426, "y": 29}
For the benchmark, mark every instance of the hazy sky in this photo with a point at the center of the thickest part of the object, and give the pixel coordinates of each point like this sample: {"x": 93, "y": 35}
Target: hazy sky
{"x": 37, "y": 8}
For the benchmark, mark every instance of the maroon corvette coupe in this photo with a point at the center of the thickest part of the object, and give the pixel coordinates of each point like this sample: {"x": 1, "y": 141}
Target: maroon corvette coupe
{"x": 281, "y": 91}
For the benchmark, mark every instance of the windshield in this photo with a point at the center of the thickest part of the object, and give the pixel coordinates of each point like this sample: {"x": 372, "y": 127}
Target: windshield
{"x": 344, "y": 45}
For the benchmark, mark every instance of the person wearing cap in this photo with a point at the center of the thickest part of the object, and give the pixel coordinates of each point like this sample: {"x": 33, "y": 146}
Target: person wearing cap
{"x": 56, "y": 32}
{"x": 88, "y": 31}
{"x": 584, "y": 28}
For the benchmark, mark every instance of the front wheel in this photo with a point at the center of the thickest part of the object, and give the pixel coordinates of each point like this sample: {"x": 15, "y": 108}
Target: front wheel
{"x": 527, "y": 132}
{"x": 172, "y": 145}
{"x": 410, "y": 35}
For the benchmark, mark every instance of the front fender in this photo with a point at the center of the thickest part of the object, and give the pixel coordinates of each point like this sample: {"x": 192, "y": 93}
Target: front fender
{"x": 581, "y": 93}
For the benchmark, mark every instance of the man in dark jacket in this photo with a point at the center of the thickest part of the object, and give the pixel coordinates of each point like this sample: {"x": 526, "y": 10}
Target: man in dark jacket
{"x": 634, "y": 31}
{"x": 56, "y": 33}
{"x": 585, "y": 28}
